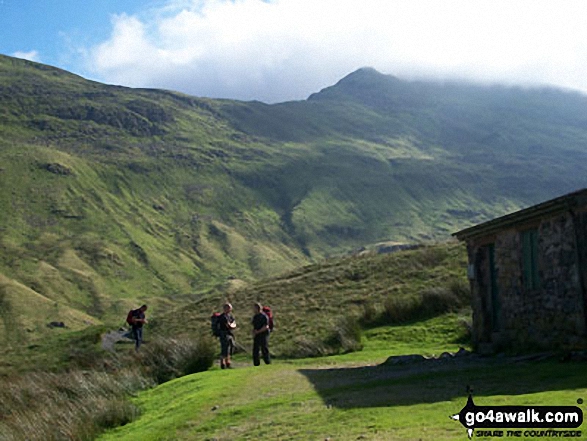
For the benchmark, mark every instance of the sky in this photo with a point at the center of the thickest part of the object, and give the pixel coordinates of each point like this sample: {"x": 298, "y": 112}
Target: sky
{"x": 279, "y": 50}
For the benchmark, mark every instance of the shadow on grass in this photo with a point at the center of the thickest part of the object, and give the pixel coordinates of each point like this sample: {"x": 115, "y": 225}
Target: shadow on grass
{"x": 432, "y": 382}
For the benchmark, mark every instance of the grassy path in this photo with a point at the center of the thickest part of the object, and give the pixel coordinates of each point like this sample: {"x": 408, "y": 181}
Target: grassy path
{"x": 350, "y": 397}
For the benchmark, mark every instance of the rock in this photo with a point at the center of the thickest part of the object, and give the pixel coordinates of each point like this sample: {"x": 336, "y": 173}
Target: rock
{"x": 417, "y": 358}
{"x": 58, "y": 169}
{"x": 445, "y": 355}
{"x": 405, "y": 359}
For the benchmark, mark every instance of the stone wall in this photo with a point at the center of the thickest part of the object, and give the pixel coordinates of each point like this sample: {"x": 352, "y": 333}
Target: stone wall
{"x": 548, "y": 317}
{"x": 581, "y": 233}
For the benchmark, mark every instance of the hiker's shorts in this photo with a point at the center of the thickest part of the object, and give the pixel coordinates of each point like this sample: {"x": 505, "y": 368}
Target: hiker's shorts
{"x": 226, "y": 345}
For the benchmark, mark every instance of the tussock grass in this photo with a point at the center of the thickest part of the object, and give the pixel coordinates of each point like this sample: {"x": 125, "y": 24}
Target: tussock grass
{"x": 167, "y": 358}
{"x": 430, "y": 302}
{"x": 80, "y": 403}
{"x": 314, "y": 305}
{"x": 76, "y": 405}
{"x": 319, "y": 310}
{"x": 345, "y": 336}
{"x": 113, "y": 197}
{"x": 353, "y": 396}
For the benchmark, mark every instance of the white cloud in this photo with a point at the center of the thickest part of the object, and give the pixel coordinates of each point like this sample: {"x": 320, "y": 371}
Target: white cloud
{"x": 31, "y": 55}
{"x": 287, "y": 49}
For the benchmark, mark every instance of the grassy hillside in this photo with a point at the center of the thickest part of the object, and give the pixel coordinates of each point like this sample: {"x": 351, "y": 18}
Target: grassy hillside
{"x": 407, "y": 302}
{"x": 338, "y": 400}
{"x": 111, "y": 197}
{"x": 315, "y": 305}
{"x": 318, "y": 310}
{"x": 355, "y": 396}
{"x": 422, "y": 154}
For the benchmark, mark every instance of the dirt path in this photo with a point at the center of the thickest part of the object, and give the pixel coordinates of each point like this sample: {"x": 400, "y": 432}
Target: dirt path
{"x": 111, "y": 338}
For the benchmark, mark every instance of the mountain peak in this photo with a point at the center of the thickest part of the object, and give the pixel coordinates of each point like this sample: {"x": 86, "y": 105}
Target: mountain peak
{"x": 366, "y": 73}
{"x": 360, "y": 80}
{"x": 369, "y": 87}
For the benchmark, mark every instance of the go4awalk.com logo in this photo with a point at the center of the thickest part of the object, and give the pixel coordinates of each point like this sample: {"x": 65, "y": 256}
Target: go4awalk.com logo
{"x": 520, "y": 421}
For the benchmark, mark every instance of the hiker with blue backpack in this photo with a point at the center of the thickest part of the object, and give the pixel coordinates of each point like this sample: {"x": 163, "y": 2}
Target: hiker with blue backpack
{"x": 262, "y": 326}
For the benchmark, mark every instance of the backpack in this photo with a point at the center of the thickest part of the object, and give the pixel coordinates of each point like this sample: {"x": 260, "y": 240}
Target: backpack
{"x": 215, "y": 324}
{"x": 269, "y": 314}
{"x": 129, "y": 317}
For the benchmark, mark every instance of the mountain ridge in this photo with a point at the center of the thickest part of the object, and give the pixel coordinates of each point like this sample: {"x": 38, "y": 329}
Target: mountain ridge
{"x": 111, "y": 196}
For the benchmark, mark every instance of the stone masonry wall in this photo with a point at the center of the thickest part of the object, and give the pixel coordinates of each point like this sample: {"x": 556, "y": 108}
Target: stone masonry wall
{"x": 550, "y": 316}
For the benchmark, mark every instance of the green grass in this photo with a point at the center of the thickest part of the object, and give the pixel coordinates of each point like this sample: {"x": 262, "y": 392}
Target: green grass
{"x": 346, "y": 396}
{"x": 58, "y": 351}
{"x": 308, "y": 303}
{"x": 112, "y": 197}
{"x": 349, "y": 397}
{"x": 313, "y": 306}
{"x": 70, "y": 388}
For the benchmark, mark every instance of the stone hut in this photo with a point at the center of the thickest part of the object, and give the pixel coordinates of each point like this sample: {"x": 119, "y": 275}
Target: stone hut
{"x": 528, "y": 274}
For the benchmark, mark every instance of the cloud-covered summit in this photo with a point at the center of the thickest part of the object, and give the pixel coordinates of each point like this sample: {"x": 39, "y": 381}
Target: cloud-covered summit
{"x": 286, "y": 49}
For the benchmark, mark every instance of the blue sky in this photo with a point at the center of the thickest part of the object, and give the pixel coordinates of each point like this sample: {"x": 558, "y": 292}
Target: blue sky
{"x": 55, "y": 30}
{"x": 276, "y": 50}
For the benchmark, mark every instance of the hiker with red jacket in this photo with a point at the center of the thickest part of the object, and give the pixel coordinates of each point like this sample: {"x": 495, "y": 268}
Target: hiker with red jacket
{"x": 137, "y": 320}
{"x": 226, "y": 326}
{"x": 260, "y": 335}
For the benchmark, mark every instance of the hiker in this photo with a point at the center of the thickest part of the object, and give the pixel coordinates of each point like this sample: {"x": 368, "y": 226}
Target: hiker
{"x": 137, "y": 320}
{"x": 260, "y": 335}
{"x": 226, "y": 325}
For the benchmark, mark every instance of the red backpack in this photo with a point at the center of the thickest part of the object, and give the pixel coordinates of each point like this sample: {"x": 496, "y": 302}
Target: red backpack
{"x": 214, "y": 324}
{"x": 129, "y": 317}
{"x": 269, "y": 314}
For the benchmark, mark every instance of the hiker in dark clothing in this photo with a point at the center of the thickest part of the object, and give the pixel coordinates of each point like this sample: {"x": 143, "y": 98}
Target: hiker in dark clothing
{"x": 226, "y": 325}
{"x": 138, "y": 320}
{"x": 260, "y": 335}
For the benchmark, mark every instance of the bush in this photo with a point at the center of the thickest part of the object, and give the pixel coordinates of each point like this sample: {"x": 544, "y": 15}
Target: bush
{"x": 453, "y": 296}
{"x": 370, "y": 313}
{"x": 437, "y": 301}
{"x": 92, "y": 395}
{"x": 115, "y": 413}
{"x": 165, "y": 358}
{"x": 400, "y": 309}
{"x": 461, "y": 290}
{"x": 346, "y": 336}
{"x": 431, "y": 256}
{"x": 80, "y": 404}
{"x": 199, "y": 357}
{"x": 75, "y": 405}
{"x": 303, "y": 347}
